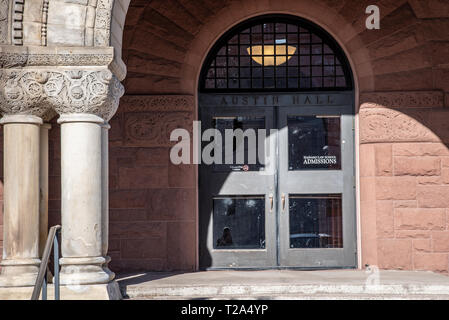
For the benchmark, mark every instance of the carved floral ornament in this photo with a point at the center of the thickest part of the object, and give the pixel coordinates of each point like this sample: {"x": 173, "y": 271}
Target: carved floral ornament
{"x": 34, "y": 91}
{"x": 403, "y": 99}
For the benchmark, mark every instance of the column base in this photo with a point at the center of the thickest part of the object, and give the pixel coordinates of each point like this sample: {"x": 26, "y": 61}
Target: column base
{"x": 106, "y": 291}
{"x": 84, "y": 271}
{"x": 19, "y": 273}
{"x": 107, "y": 270}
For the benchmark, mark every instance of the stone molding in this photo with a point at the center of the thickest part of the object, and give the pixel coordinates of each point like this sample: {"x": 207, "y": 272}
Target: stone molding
{"x": 168, "y": 103}
{"x": 19, "y": 118}
{"x": 4, "y": 27}
{"x": 45, "y": 4}
{"x": 103, "y": 22}
{"x": 11, "y": 56}
{"x": 153, "y": 129}
{"x": 403, "y": 99}
{"x": 66, "y": 90}
{"x": 30, "y": 56}
{"x": 17, "y": 22}
{"x": 149, "y": 119}
{"x": 80, "y": 117}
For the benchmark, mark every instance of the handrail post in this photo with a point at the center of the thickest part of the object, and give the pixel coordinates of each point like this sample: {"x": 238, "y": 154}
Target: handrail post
{"x": 41, "y": 280}
{"x": 56, "y": 265}
{"x": 44, "y": 286}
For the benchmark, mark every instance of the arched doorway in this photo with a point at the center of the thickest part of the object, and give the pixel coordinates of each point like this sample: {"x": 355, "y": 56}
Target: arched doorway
{"x": 290, "y": 200}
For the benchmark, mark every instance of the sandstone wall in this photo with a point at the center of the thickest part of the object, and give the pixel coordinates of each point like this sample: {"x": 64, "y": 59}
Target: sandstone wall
{"x": 402, "y": 72}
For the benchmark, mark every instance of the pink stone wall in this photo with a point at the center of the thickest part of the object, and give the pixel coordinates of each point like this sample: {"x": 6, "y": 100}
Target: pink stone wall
{"x": 152, "y": 222}
{"x": 402, "y": 76}
{"x": 152, "y": 202}
{"x": 404, "y": 180}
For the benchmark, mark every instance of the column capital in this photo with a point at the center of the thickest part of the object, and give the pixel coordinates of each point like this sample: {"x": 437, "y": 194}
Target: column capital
{"x": 67, "y": 90}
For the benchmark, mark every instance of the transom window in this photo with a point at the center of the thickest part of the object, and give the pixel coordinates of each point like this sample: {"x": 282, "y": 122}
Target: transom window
{"x": 276, "y": 53}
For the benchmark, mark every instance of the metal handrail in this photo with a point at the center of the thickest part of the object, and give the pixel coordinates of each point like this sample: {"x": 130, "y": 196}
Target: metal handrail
{"x": 41, "y": 280}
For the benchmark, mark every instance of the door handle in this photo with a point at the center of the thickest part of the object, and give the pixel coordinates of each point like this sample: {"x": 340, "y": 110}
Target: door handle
{"x": 283, "y": 202}
{"x": 271, "y": 202}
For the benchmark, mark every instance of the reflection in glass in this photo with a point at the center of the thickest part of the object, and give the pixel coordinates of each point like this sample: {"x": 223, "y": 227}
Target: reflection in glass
{"x": 249, "y": 150}
{"x": 315, "y": 221}
{"x": 314, "y": 143}
{"x": 239, "y": 222}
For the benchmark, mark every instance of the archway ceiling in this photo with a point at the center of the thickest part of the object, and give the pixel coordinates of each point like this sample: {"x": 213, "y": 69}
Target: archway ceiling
{"x": 158, "y": 35}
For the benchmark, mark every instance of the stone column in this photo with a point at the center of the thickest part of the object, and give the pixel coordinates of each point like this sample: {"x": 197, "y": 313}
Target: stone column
{"x": 81, "y": 206}
{"x": 85, "y": 97}
{"x": 105, "y": 196}
{"x": 20, "y": 262}
{"x": 43, "y": 187}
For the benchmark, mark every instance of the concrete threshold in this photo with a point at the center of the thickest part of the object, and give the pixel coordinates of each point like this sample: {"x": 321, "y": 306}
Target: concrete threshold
{"x": 286, "y": 284}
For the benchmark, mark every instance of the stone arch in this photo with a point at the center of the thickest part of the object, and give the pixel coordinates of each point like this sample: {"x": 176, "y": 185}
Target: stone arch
{"x": 324, "y": 16}
{"x": 66, "y": 23}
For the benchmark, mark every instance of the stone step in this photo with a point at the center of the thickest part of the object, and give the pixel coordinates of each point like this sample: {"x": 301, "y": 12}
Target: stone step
{"x": 289, "y": 292}
{"x": 279, "y": 285}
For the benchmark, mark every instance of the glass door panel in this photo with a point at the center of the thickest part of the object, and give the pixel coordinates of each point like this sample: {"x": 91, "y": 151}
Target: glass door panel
{"x": 239, "y": 222}
{"x": 316, "y": 188}
{"x": 315, "y": 221}
{"x": 237, "y": 219}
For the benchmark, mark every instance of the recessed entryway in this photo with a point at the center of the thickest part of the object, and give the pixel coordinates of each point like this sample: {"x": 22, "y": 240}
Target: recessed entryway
{"x": 295, "y": 206}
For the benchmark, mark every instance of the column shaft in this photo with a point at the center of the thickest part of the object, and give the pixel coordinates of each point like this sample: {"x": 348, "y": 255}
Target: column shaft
{"x": 81, "y": 206}
{"x": 105, "y": 196}
{"x": 43, "y": 186}
{"x": 21, "y": 200}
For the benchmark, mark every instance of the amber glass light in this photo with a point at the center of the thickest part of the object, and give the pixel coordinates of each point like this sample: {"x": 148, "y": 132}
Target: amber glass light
{"x": 271, "y": 55}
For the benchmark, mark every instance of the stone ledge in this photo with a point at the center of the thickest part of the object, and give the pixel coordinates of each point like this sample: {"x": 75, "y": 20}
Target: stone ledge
{"x": 274, "y": 284}
{"x": 110, "y": 291}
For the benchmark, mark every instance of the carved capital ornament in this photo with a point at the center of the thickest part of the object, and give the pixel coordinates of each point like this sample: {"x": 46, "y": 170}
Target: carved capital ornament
{"x": 66, "y": 90}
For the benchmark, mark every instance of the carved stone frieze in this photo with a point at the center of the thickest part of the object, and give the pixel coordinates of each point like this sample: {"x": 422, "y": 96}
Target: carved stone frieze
{"x": 12, "y": 60}
{"x": 391, "y": 125}
{"x": 140, "y": 103}
{"x": 34, "y": 91}
{"x": 154, "y": 128}
{"x": 403, "y": 99}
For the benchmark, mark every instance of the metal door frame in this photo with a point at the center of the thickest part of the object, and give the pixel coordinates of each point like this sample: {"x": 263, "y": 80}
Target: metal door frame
{"x": 258, "y": 185}
{"x": 319, "y": 182}
{"x": 322, "y": 102}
